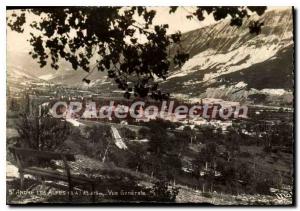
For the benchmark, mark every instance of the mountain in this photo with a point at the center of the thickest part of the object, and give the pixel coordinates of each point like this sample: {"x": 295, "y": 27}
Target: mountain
{"x": 225, "y": 62}
{"x": 230, "y": 63}
{"x": 23, "y": 64}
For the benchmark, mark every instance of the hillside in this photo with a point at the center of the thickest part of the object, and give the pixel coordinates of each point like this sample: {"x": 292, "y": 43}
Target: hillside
{"x": 230, "y": 63}
{"x": 225, "y": 62}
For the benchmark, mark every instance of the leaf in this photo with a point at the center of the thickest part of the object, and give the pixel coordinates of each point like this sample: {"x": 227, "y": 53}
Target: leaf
{"x": 173, "y": 9}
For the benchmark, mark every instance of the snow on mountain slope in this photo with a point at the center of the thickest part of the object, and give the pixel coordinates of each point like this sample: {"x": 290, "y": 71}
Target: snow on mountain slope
{"x": 230, "y": 63}
{"x": 17, "y": 72}
{"x": 65, "y": 74}
{"x": 47, "y": 77}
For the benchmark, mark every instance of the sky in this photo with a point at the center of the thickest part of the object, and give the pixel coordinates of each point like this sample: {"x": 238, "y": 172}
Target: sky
{"x": 178, "y": 21}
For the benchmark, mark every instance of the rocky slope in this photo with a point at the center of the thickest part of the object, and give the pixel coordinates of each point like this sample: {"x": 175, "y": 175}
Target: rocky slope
{"x": 230, "y": 63}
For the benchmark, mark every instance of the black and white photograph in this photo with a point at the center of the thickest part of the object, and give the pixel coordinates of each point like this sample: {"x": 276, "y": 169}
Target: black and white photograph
{"x": 150, "y": 105}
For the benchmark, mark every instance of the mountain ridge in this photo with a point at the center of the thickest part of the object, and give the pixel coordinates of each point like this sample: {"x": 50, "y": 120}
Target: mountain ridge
{"x": 225, "y": 62}
{"x": 227, "y": 56}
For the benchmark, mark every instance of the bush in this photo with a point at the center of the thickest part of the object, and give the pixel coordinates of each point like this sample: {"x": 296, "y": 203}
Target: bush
{"x": 162, "y": 193}
{"x": 43, "y": 133}
{"x": 207, "y": 195}
{"x": 143, "y": 133}
{"x": 127, "y": 133}
{"x": 245, "y": 154}
{"x": 263, "y": 187}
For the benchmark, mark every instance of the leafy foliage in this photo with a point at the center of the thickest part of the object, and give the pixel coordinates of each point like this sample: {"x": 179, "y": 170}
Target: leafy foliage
{"x": 235, "y": 13}
{"x": 43, "y": 133}
{"x": 100, "y": 141}
{"x": 162, "y": 193}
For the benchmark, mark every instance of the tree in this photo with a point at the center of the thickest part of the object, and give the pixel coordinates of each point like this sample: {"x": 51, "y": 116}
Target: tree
{"x": 232, "y": 142}
{"x": 162, "y": 193}
{"x": 205, "y": 157}
{"x": 97, "y": 133}
{"x": 172, "y": 167}
{"x": 189, "y": 133}
{"x": 143, "y": 133}
{"x": 100, "y": 140}
{"x": 42, "y": 133}
{"x": 127, "y": 133}
{"x": 159, "y": 141}
{"x": 108, "y": 35}
{"x": 137, "y": 158}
